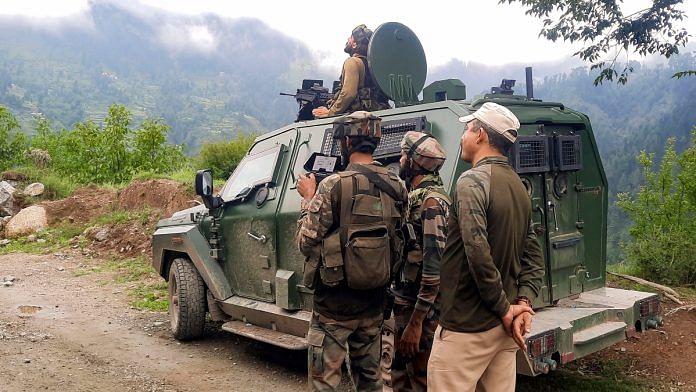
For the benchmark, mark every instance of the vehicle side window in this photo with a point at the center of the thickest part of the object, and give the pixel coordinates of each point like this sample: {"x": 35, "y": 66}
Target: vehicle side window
{"x": 253, "y": 170}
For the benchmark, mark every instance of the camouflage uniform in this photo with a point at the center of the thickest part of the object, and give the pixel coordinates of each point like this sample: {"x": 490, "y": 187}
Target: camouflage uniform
{"x": 346, "y": 322}
{"x": 418, "y": 284}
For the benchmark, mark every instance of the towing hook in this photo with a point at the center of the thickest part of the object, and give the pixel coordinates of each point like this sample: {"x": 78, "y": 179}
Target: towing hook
{"x": 653, "y": 323}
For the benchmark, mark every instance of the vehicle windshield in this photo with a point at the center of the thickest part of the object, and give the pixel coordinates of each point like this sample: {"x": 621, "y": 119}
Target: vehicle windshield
{"x": 252, "y": 170}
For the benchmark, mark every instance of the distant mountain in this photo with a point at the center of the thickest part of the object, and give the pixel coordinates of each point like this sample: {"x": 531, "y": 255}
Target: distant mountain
{"x": 207, "y": 76}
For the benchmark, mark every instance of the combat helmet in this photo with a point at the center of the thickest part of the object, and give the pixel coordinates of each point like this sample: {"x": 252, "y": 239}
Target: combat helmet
{"x": 360, "y": 123}
{"x": 424, "y": 149}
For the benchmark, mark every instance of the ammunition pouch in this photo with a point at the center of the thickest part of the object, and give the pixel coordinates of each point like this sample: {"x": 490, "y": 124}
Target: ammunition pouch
{"x": 331, "y": 269}
{"x": 412, "y": 266}
{"x": 309, "y": 272}
{"x": 368, "y": 257}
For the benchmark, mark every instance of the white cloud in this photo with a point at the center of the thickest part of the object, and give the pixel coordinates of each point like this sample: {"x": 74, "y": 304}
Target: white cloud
{"x": 181, "y": 37}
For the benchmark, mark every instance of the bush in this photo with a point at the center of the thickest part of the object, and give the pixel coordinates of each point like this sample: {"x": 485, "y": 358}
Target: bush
{"x": 223, "y": 157}
{"x": 13, "y": 143}
{"x": 664, "y": 217}
{"x": 112, "y": 153}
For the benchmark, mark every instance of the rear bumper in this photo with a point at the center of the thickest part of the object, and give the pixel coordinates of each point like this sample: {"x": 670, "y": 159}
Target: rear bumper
{"x": 580, "y": 326}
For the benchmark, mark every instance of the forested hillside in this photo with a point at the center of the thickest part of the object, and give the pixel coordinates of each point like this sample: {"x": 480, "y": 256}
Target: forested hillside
{"x": 640, "y": 115}
{"x": 207, "y": 76}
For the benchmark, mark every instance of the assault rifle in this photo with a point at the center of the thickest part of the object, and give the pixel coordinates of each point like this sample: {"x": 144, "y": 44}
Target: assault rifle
{"x": 311, "y": 96}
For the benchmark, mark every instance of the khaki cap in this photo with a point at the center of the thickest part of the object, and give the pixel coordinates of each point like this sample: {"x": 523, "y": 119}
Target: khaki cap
{"x": 498, "y": 118}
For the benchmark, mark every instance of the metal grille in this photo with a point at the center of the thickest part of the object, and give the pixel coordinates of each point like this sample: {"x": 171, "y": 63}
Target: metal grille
{"x": 650, "y": 307}
{"x": 543, "y": 345}
{"x": 568, "y": 152}
{"x": 392, "y": 133}
{"x": 530, "y": 154}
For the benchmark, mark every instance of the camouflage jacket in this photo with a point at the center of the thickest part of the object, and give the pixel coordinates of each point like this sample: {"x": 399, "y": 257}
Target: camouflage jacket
{"x": 319, "y": 217}
{"x": 419, "y": 278}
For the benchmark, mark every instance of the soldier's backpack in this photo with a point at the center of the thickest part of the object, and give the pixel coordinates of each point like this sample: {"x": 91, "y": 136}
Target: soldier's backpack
{"x": 367, "y": 245}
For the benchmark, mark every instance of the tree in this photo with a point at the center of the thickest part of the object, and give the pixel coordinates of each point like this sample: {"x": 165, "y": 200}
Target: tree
{"x": 607, "y": 33}
{"x": 13, "y": 143}
{"x": 664, "y": 217}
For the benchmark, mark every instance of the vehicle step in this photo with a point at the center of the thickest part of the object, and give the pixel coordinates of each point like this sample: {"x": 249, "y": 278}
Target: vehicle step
{"x": 599, "y": 332}
{"x": 266, "y": 335}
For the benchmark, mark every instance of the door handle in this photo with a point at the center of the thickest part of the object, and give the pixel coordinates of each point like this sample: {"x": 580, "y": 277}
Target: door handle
{"x": 262, "y": 239}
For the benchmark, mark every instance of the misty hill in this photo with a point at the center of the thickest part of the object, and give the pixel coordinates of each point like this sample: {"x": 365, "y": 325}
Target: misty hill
{"x": 207, "y": 76}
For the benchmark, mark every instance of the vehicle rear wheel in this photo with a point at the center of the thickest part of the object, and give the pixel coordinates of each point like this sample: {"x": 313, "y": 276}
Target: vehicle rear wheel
{"x": 186, "y": 300}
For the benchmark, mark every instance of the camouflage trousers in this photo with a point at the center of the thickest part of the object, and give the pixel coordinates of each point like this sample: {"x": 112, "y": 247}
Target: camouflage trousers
{"x": 410, "y": 374}
{"x": 332, "y": 342}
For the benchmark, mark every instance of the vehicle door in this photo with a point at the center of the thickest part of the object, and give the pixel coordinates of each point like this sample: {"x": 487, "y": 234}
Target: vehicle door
{"x": 247, "y": 227}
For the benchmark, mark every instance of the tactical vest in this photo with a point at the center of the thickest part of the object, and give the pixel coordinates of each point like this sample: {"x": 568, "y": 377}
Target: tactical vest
{"x": 367, "y": 245}
{"x": 412, "y": 268}
{"x": 370, "y": 97}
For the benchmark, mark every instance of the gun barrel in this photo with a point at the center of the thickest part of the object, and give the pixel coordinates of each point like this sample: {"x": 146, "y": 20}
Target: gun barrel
{"x": 288, "y": 94}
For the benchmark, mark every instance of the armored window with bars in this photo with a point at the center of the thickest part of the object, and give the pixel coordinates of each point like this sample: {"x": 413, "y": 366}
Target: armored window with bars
{"x": 392, "y": 133}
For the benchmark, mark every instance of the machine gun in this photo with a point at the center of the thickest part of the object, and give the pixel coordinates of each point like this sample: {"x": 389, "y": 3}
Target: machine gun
{"x": 311, "y": 96}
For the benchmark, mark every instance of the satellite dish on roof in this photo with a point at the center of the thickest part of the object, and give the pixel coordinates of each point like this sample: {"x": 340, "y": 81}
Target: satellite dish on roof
{"x": 397, "y": 62}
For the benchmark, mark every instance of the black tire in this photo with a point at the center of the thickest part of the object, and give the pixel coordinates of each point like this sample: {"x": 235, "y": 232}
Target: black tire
{"x": 186, "y": 300}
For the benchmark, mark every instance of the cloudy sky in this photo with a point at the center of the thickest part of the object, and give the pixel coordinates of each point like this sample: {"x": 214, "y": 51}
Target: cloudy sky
{"x": 474, "y": 30}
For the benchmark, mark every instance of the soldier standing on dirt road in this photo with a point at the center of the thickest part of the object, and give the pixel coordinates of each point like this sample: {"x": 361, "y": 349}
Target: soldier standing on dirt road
{"x": 417, "y": 284}
{"x": 348, "y": 232}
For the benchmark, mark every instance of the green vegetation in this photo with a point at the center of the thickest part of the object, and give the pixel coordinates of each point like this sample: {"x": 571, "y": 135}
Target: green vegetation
{"x": 223, "y": 157}
{"x": 150, "y": 297}
{"x": 46, "y": 241}
{"x": 597, "y": 375}
{"x": 12, "y": 141}
{"x": 607, "y": 33}
{"x": 664, "y": 217}
{"x": 110, "y": 154}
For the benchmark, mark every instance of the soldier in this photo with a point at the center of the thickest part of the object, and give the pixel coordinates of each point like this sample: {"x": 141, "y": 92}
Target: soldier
{"x": 418, "y": 282}
{"x": 356, "y": 91}
{"x": 491, "y": 267}
{"x": 348, "y": 232}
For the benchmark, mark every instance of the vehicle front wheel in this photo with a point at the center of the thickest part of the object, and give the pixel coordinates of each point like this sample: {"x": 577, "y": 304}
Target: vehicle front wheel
{"x": 186, "y": 300}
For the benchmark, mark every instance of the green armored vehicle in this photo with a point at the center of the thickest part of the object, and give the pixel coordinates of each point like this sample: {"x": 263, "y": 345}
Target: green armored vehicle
{"x": 235, "y": 257}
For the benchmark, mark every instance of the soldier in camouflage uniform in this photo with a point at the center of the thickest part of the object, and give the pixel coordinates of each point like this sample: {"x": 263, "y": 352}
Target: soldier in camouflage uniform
{"x": 418, "y": 282}
{"x": 356, "y": 91}
{"x": 348, "y": 312}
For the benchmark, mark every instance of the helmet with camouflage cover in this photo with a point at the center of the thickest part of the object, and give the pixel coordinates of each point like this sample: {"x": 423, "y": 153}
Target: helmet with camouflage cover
{"x": 360, "y": 123}
{"x": 423, "y": 149}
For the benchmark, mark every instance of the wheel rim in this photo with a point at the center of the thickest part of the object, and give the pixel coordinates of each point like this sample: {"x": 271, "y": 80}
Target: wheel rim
{"x": 173, "y": 302}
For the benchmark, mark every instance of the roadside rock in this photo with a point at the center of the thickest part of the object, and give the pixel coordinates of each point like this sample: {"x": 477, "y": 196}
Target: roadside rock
{"x": 9, "y": 278}
{"x": 5, "y": 211}
{"x": 6, "y": 192}
{"x": 4, "y": 242}
{"x": 102, "y": 235}
{"x": 27, "y": 221}
{"x": 6, "y": 186}
{"x": 34, "y": 189}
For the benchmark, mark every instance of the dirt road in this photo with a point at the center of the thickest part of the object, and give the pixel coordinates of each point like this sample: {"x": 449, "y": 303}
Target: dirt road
{"x": 64, "y": 332}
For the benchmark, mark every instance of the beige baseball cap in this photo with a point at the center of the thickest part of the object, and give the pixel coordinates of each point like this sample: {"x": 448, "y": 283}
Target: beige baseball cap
{"x": 498, "y": 117}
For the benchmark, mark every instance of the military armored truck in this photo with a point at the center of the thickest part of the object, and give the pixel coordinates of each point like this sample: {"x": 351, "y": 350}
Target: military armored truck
{"x": 235, "y": 258}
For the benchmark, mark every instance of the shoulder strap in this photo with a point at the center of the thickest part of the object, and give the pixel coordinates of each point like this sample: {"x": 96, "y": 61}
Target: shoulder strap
{"x": 346, "y": 188}
{"x": 368, "y": 75}
{"x": 379, "y": 182}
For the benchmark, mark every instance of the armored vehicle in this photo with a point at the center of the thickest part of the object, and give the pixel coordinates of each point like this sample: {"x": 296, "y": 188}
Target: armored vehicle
{"x": 235, "y": 257}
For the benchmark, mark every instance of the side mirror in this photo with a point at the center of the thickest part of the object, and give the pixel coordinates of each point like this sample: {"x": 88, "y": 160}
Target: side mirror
{"x": 204, "y": 189}
{"x": 204, "y": 183}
